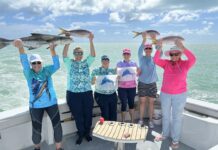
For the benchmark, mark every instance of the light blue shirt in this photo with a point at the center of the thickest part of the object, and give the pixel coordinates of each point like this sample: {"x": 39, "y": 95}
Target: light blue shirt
{"x": 78, "y": 78}
{"x": 148, "y": 69}
{"x": 35, "y": 81}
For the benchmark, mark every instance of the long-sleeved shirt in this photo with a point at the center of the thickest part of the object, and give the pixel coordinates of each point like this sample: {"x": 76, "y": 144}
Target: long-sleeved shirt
{"x": 147, "y": 66}
{"x": 78, "y": 78}
{"x": 36, "y": 80}
{"x": 175, "y": 73}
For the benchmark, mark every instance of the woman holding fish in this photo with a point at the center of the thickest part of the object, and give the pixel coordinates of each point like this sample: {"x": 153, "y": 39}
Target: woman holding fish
{"x": 79, "y": 93}
{"x": 105, "y": 80}
{"x": 174, "y": 88}
{"x": 147, "y": 88}
{"x": 127, "y": 71}
{"x": 42, "y": 93}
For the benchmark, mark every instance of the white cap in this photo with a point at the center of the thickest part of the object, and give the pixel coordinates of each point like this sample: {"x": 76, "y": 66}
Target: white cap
{"x": 35, "y": 57}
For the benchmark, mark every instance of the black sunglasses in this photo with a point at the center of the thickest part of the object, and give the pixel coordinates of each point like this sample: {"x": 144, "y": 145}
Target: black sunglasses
{"x": 149, "y": 48}
{"x": 105, "y": 59}
{"x": 78, "y": 53}
{"x": 36, "y": 62}
{"x": 174, "y": 54}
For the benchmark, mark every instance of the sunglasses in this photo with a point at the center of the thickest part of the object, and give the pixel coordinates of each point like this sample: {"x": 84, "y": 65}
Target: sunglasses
{"x": 36, "y": 62}
{"x": 126, "y": 53}
{"x": 174, "y": 54}
{"x": 148, "y": 48}
{"x": 105, "y": 59}
{"x": 78, "y": 53}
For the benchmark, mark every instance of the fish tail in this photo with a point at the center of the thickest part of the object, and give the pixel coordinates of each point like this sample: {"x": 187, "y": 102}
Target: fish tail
{"x": 4, "y": 42}
{"x": 136, "y": 34}
{"x": 63, "y": 31}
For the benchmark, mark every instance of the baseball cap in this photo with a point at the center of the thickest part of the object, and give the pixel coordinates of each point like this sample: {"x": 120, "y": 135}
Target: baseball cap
{"x": 35, "y": 57}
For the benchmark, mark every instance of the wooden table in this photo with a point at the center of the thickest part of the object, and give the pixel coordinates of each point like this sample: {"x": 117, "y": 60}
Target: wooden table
{"x": 120, "y": 133}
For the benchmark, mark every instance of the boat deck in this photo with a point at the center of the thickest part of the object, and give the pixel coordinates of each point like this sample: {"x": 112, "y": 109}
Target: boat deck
{"x": 99, "y": 144}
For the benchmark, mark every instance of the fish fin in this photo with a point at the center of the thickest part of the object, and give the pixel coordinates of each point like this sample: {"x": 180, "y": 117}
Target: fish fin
{"x": 63, "y": 31}
{"x": 135, "y": 34}
{"x": 31, "y": 48}
{"x": 3, "y": 42}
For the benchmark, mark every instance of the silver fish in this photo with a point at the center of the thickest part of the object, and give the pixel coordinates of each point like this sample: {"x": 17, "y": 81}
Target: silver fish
{"x": 76, "y": 32}
{"x": 37, "y": 40}
{"x": 171, "y": 39}
{"x": 148, "y": 32}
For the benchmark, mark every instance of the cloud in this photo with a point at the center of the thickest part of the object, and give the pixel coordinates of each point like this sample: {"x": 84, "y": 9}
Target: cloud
{"x": 142, "y": 16}
{"x": 88, "y": 23}
{"x": 2, "y": 23}
{"x": 117, "y": 32}
{"x": 213, "y": 9}
{"x": 119, "y": 10}
{"x": 101, "y": 31}
{"x": 46, "y": 28}
{"x": 179, "y": 16}
{"x": 115, "y": 17}
{"x": 20, "y": 16}
{"x": 205, "y": 30}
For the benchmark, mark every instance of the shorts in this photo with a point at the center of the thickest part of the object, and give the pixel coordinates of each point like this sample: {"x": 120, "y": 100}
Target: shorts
{"x": 149, "y": 90}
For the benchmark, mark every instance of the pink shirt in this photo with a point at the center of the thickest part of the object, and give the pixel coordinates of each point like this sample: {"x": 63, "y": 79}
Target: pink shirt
{"x": 175, "y": 75}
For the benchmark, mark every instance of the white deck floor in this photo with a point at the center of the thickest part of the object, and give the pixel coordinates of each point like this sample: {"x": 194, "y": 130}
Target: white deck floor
{"x": 99, "y": 144}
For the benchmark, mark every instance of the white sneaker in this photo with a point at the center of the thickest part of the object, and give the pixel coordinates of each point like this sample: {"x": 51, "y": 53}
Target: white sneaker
{"x": 151, "y": 124}
{"x": 141, "y": 122}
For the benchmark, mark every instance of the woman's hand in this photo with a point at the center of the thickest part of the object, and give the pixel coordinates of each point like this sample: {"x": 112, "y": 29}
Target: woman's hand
{"x": 93, "y": 80}
{"x": 179, "y": 44}
{"x": 91, "y": 36}
{"x": 18, "y": 43}
{"x": 52, "y": 45}
{"x": 159, "y": 45}
{"x": 144, "y": 35}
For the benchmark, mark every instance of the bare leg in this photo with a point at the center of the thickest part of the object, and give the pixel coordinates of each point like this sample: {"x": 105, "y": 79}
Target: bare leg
{"x": 37, "y": 146}
{"x": 151, "y": 108}
{"x": 132, "y": 114}
{"x": 58, "y": 145}
{"x": 142, "y": 107}
{"x": 123, "y": 116}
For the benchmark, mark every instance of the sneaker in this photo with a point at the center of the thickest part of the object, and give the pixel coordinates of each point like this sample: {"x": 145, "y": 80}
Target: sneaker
{"x": 151, "y": 124}
{"x": 174, "y": 145}
{"x": 141, "y": 122}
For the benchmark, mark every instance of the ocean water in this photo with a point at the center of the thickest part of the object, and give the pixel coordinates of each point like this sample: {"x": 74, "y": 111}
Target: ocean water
{"x": 202, "y": 78}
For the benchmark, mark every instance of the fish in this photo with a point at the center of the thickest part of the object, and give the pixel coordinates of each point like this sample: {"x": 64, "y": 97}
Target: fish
{"x": 126, "y": 72}
{"x": 171, "y": 39}
{"x": 37, "y": 40}
{"x": 106, "y": 80}
{"x": 148, "y": 32}
{"x": 76, "y": 32}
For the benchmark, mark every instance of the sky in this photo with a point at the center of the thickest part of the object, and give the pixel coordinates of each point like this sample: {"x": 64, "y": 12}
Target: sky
{"x": 112, "y": 20}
